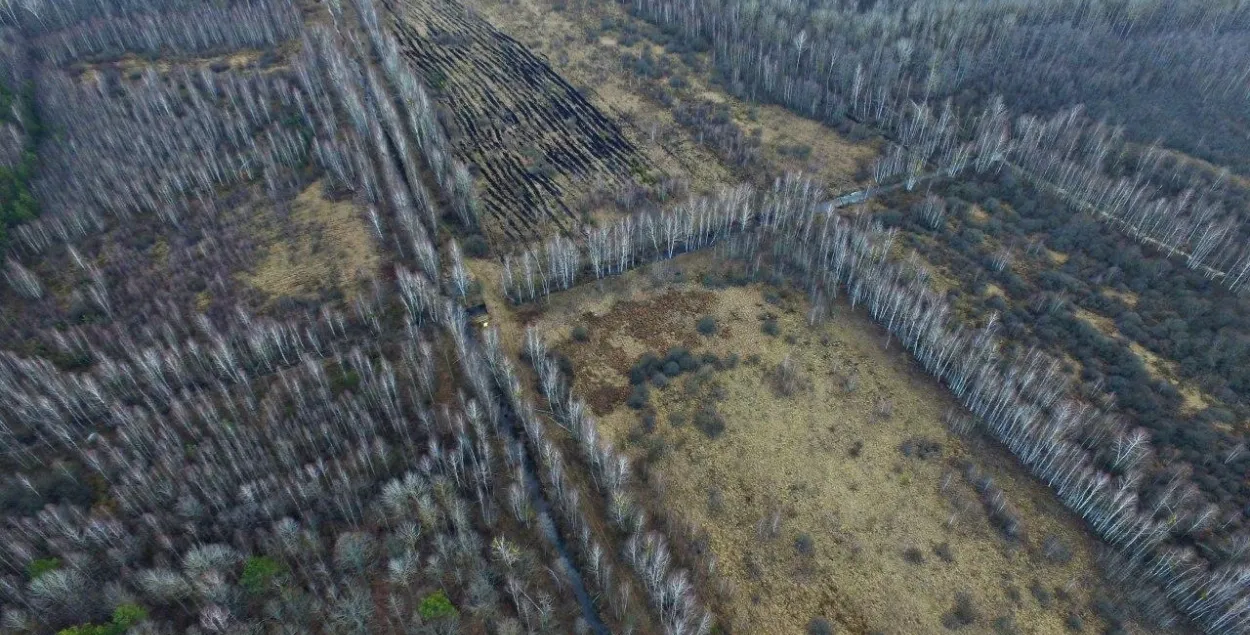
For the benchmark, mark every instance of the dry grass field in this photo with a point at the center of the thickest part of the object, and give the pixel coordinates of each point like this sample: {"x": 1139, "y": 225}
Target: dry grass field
{"x": 808, "y": 500}
{"x": 320, "y": 244}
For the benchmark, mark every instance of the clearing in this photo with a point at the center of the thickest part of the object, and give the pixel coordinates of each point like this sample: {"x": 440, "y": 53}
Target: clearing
{"x": 818, "y": 502}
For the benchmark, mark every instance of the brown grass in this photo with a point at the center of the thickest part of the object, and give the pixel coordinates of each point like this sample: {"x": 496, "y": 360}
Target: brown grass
{"x": 324, "y": 245}
{"x": 792, "y": 456}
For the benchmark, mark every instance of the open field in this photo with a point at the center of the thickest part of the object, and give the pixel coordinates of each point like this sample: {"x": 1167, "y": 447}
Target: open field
{"x": 890, "y": 546}
{"x": 320, "y": 244}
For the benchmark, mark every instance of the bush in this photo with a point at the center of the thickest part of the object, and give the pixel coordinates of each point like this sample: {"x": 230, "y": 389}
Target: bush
{"x": 709, "y": 421}
{"x": 715, "y": 500}
{"x": 707, "y": 325}
{"x": 786, "y": 378}
{"x": 672, "y": 369}
{"x": 804, "y": 545}
{"x": 581, "y": 334}
{"x": 639, "y": 397}
{"x": 819, "y": 626}
{"x": 963, "y": 614}
{"x": 476, "y": 247}
{"x": 648, "y": 420}
{"x": 688, "y": 363}
{"x": 913, "y": 555}
{"x": 770, "y": 327}
{"x": 1042, "y": 594}
{"x": 1055, "y": 551}
{"x": 41, "y": 566}
{"x": 647, "y": 366}
{"x": 125, "y": 616}
{"x": 259, "y": 573}
{"x": 1006, "y": 625}
{"x": 637, "y": 374}
{"x": 1074, "y": 623}
{"x": 660, "y": 380}
{"x": 944, "y": 552}
{"x": 437, "y": 606}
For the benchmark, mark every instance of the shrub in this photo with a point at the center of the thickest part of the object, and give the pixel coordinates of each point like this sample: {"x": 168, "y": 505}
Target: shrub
{"x": 883, "y": 409}
{"x": 639, "y": 397}
{"x": 1055, "y": 551}
{"x": 437, "y": 606}
{"x": 660, "y": 380}
{"x": 944, "y": 552}
{"x": 1074, "y": 623}
{"x": 688, "y": 363}
{"x": 786, "y": 378}
{"x": 675, "y": 354}
{"x": 913, "y": 555}
{"x": 41, "y": 566}
{"x": 637, "y": 374}
{"x": 125, "y": 616}
{"x": 672, "y": 369}
{"x": 1042, "y": 594}
{"x": 1006, "y": 625}
{"x": 707, "y": 325}
{"x": 647, "y": 366}
{"x": 730, "y": 361}
{"x": 921, "y": 448}
{"x": 850, "y": 382}
{"x": 677, "y": 419}
{"x": 963, "y": 614}
{"x": 804, "y": 545}
{"x": 819, "y": 626}
{"x": 715, "y": 500}
{"x": 708, "y": 420}
{"x": 581, "y": 334}
{"x": 259, "y": 573}
{"x": 770, "y": 327}
{"x": 476, "y": 247}
{"x": 648, "y": 420}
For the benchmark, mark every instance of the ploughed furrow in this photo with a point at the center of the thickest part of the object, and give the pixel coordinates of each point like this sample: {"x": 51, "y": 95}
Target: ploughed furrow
{"x": 536, "y": 142}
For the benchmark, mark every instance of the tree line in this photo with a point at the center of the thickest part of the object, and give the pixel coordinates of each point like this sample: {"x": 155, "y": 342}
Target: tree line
{"x": 927, "y": 75}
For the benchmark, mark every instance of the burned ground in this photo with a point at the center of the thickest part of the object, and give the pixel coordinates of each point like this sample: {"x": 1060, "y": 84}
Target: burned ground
{"x": 536, "y": 142}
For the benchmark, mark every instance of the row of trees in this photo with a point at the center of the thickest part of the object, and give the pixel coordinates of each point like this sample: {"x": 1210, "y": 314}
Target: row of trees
{"x": 20, "y": 132}
{"x": 165, "y": 28}
{"x": 1026, "y": 403}
{"x": 889, "y": 65}
{"x": 671, "y": 592}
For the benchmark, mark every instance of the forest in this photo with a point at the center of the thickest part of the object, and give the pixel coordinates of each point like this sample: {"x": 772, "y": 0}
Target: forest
{"x": 307, "y": 307}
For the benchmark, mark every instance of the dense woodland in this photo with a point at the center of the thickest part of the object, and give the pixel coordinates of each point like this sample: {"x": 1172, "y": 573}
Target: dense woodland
{"x": 181, "y": 455}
